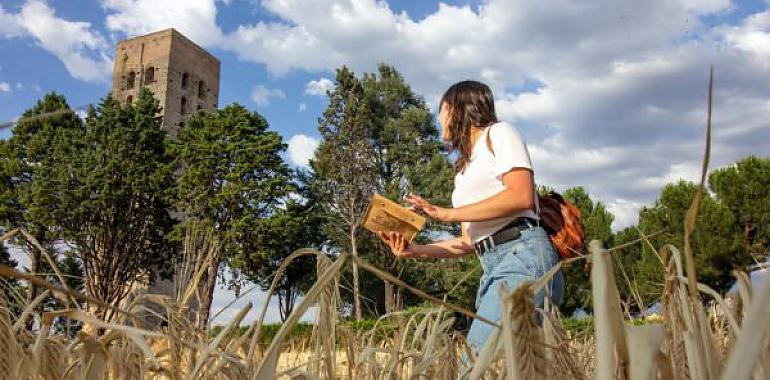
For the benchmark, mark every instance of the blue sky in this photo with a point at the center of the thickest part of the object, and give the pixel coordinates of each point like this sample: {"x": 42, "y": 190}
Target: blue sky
{"x": 608, "y": 94}
{"x": 33, "y": 70}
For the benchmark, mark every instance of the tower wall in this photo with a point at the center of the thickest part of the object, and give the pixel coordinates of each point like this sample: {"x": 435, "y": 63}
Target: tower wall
{"x": 182, "y": 76}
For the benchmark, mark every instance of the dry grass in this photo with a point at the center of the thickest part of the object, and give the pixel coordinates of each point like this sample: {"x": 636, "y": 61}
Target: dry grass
{"x": 691, "y": 342}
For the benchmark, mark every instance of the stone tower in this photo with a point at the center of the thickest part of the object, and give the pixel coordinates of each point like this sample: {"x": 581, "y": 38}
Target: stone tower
{"x": 181, "y": 75}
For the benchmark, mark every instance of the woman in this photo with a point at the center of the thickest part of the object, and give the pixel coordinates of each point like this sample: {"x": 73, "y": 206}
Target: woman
{"x": 495, "y": 201}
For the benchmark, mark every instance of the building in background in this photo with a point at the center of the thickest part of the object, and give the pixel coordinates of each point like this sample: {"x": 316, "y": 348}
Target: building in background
{"x": 181, "y": 75}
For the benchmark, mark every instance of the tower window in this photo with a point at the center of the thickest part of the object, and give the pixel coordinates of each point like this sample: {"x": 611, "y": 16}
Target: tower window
{"x": 183, "y": 106}
{"x": 130, "y": 79}
{"x": 149, "y": 75}
{"x": 185, "y": 79}
{"x": 130, "y": 99}
{"x": 201, "y": 89}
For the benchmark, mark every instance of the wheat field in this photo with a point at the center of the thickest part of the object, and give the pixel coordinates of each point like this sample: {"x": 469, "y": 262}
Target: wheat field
{"x": 693, "y": 339}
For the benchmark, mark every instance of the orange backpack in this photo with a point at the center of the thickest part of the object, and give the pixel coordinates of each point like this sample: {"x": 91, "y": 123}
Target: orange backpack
{"x": 561, "y": 219}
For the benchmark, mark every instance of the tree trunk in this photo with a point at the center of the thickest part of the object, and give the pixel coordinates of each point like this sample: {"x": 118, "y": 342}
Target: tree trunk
{"x": 286, "y": 298}
{"x": 208, "y": 293}
{"x": 390, "y": 304}
{"x": 356, "y": 288}
{"x": 391, "y": 297}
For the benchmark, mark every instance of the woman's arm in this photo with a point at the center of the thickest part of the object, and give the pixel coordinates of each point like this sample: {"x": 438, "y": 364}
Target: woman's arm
{"x": 445, "y": 249}
{"x": 517, "y": 196}
{"x": 451, "y": 248}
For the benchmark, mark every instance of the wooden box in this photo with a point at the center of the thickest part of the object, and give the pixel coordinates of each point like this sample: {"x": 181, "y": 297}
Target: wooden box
{"x": 385, "y": 215}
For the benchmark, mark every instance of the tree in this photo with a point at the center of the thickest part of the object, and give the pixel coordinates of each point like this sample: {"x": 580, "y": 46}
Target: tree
{"x": 231, "y": 177}
{"x": 409, "y": 157}
{"x": 9, "y": 286}
{"x": 744, "y": 188}
{"x": 597, "y": 221}
{"x": 104, "y": 189}
{"x": 344, "y": 173}
{"x": 296, "y": 224}
{"x": 627, "y": 267}
{"x": 716, "y": 240}
{"x": 22, "y": 155}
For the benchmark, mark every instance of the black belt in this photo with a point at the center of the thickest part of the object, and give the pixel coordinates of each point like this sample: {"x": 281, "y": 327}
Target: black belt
{"x": 511, "y": 231}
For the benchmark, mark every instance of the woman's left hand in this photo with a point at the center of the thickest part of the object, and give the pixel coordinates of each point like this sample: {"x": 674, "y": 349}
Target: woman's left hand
{"x": 437, "y": 213}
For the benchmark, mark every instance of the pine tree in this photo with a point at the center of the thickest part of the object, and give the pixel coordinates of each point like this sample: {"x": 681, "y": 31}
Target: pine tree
{"x": 30, "y": 150}
{"x": 409, "y": 157}
{"x": 744, "y": 188}
{"x": 105, "y": 188}
{"x": 716, "y": 240}
{"x": 231, "y": 177}
{"x": 344, "y": 170}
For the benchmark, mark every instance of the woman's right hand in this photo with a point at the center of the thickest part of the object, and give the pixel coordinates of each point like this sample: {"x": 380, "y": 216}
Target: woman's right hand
{"x": 397, "y": 243}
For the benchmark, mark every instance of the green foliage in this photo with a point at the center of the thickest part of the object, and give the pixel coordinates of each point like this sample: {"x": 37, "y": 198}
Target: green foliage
{"x": 101, "y": 185}
{"x": 297, "y": 224}
{"x": 96, "y": 185}
{"x": 584, "y": 326}
{"x": 716, "y": 240}
{"x": 410, "y": 158}
{"x": 31, "y": 149}
{"x": 343, "y": 171}
{"x": 627, "y": 260}
{"x": 378, "y": 135}
{"x": 231, "y": 178}
{"x": 579, "y": 326}
{"x": 744, "y": 188}
{"x": 230, "y": 171}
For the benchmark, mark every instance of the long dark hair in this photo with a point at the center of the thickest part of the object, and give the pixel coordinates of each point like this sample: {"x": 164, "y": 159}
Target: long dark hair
{"x": 471, "y": 104}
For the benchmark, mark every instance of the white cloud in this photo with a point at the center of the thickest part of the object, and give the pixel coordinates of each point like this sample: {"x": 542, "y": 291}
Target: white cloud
{"x": 301, "y": 149}
{"x": 82, "y": 50}
{"x": 261, "y": 95}
{"x": 753, "y": 35}
{"x": 5, "y": 87}
{"x": 302, "y": 107}
{"x": 619, "y": 105}
{"x": 9, "y": 24}
{"x": 626, "y": 213}
{"x": 195, "y": 19}
{"x": 319, "y": 87}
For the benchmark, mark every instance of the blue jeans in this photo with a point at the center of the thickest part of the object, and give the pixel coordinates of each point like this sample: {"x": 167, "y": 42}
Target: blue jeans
{"x": 524, "y": 259}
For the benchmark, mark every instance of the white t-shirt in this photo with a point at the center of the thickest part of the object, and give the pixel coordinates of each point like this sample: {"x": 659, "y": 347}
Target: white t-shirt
{"x": 483, "y": 174}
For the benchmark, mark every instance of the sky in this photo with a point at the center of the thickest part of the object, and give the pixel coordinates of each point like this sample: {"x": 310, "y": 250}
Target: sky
{"x": 609, "y": 95}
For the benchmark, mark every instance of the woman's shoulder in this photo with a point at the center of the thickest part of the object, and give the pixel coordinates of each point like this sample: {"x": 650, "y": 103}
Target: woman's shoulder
{"x": 503, "y": 129}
